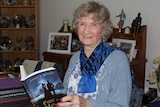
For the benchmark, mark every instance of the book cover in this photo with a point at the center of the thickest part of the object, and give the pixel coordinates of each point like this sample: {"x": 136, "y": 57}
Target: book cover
{"x": 44, "y": 87}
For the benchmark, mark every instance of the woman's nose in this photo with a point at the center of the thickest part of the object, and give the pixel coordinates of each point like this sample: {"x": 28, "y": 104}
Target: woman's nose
{"x": 86, "y": 30}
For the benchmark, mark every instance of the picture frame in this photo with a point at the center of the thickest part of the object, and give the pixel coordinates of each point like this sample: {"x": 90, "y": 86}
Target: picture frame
{"x": 59, "y": 42}
{"x": 127, "y": 45}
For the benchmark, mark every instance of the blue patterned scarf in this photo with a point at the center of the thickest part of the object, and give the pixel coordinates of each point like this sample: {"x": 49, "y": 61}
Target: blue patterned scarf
{"x": 90, "y": 66}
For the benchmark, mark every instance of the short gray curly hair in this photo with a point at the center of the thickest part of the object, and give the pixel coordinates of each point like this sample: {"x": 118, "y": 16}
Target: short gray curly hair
{"x": 102, "y": 15}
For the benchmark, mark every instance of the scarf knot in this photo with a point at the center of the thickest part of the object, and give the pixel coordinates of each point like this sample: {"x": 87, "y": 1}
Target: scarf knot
{"x": 90, "y": 66}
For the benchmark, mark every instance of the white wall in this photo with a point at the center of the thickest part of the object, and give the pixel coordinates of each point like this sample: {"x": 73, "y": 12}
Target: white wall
{"x": 52, "y": 12}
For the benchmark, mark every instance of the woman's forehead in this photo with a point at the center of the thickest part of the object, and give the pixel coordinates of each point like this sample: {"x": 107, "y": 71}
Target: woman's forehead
{"x": 92, "y": 16}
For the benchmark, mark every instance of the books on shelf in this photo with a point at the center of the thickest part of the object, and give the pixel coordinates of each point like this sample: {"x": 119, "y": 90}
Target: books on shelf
{"x": 44, "y": 87}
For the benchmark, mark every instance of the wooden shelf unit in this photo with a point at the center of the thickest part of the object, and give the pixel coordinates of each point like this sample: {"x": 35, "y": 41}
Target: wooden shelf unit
{"x": 23, "y": 32}
{"x": 140, "y": 61}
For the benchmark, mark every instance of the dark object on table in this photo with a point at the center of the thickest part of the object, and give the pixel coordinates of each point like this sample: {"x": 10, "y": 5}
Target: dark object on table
{"x": 4, "y": 64}
{"x": 17, "y": 63}
{"x": 149, "y": 96}
{"x": 136, "y": 24}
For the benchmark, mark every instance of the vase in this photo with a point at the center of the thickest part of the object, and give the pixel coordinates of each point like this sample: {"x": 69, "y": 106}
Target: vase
{"x": 158, "y": 85}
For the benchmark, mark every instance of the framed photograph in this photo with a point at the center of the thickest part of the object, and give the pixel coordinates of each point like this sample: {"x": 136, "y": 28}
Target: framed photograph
{"x": 127, "y": 45}
{"x": 59, "y": 42}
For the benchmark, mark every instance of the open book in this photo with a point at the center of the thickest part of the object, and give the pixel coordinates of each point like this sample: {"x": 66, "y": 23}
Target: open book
{"x": 44, "y": 87}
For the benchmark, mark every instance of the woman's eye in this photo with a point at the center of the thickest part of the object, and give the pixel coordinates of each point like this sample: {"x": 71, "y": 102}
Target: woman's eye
{"x": 94, "y": 24}
{"x": 81, "y": 24}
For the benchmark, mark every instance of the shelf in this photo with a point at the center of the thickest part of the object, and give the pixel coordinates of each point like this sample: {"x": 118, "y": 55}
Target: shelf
{"x": 12, "y": 52}
{"x": 17, "y": 28}
{"x": 125, "y": 36}
{"x": 17, "y": 6}
{"x": 24, "y": 37}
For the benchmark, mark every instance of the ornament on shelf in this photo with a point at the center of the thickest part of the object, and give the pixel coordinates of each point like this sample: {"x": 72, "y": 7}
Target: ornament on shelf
{"x": 26, "y": 2}
{"x": 127, "y": 30}
{"x": 66, "y": 23}
{"x": 65, "y": 27}
{"x": 154, "y": 77}
{"x": 136, "y": 24}
{"x": 18, "y": 47}
{"x": 122, "y": 17}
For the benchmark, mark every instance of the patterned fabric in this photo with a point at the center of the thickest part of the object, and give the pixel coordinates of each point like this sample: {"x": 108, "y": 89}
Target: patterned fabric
{"x": 90, "y": 66}
{"x": 73, "y": 84}
{"x": 136, "y": 97}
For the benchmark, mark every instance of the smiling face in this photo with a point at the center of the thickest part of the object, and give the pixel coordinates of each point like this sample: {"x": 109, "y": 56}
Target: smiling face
{"x": 89, "y": 31}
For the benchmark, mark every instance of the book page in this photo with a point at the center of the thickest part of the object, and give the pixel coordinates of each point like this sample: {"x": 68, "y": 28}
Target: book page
{"x": 23, "y": 72}
{"x": 26, "y": 76}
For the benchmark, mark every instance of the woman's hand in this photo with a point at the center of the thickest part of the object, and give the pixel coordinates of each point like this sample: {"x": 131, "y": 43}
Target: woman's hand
{"x": 73, "y": 101}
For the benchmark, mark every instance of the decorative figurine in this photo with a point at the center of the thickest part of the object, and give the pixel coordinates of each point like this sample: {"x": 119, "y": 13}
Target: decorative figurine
{"x": 122, "y": 17}
{"x": 136, "y": 24}
{"x": 65, "y": 27}
{"x": 26, "y": 2}
{"x": 9, "y": 2}
{"x": 66, "y": 23}
{"x": 127, "y": 30}
{"x": 139, "y": 20}
{"x": 18, "y": 47}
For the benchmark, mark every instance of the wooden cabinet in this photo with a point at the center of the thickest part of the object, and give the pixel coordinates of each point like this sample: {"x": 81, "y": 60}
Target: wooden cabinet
{"x": 20, "y": 39}
{"x": 57, "y": 58}
{"x": 139, "y": 62}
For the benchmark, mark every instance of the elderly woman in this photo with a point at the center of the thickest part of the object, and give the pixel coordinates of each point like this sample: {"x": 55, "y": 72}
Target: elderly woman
{"x": 98, "y": 75}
